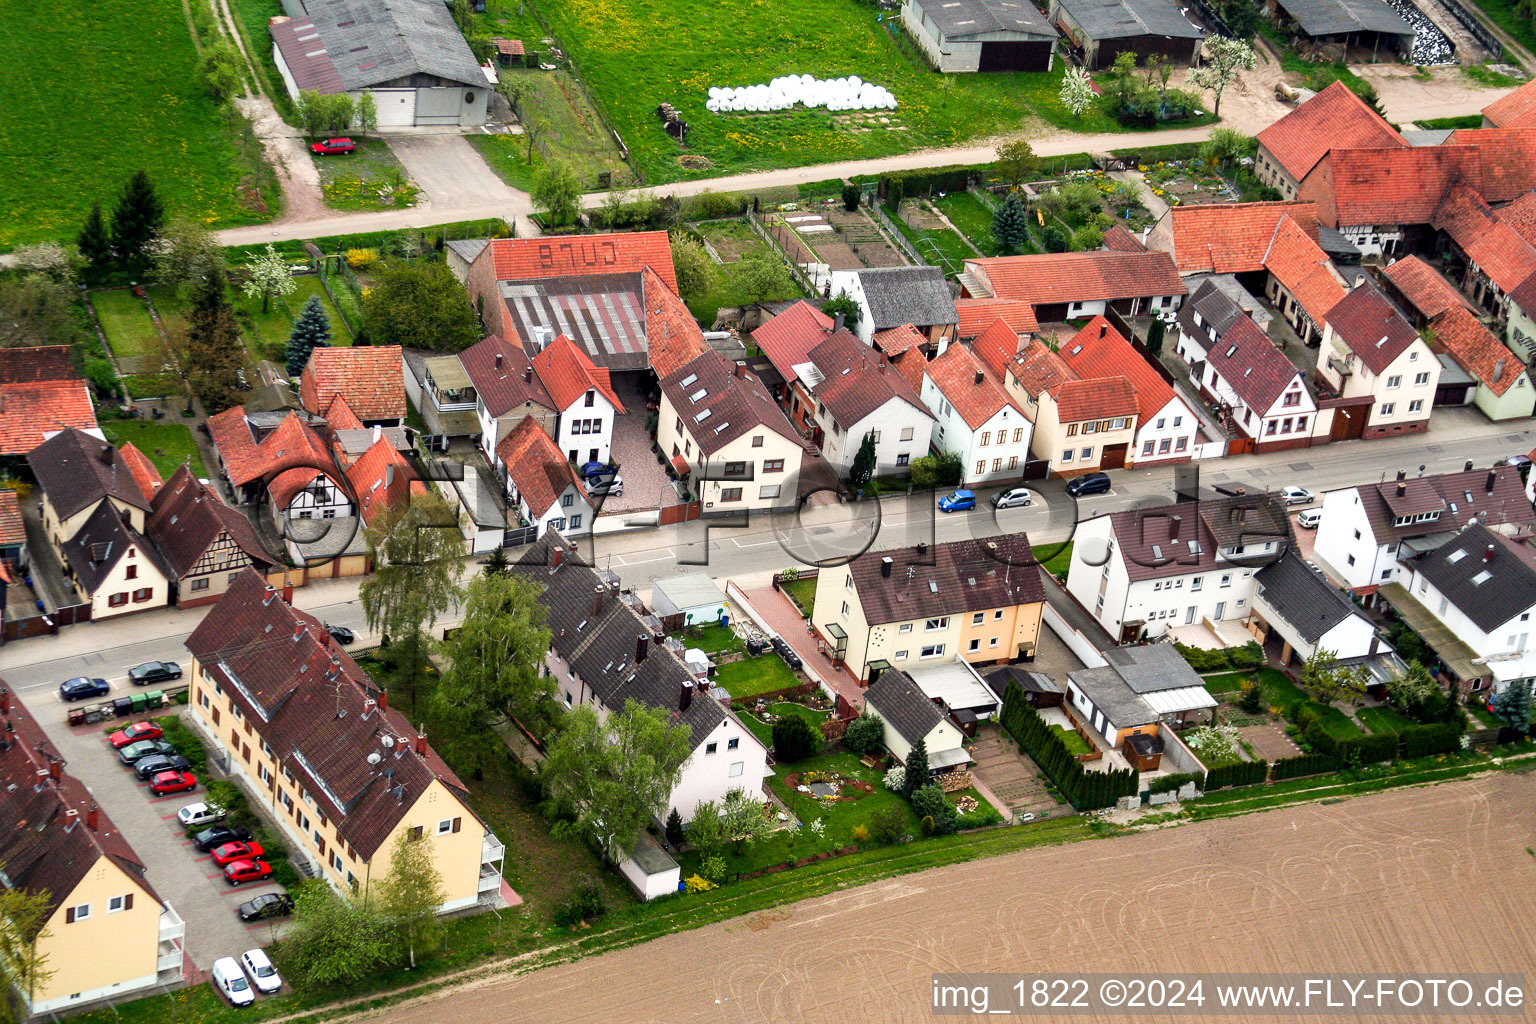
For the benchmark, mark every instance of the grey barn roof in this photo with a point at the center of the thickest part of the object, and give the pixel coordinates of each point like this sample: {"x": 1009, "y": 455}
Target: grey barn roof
{"x": 958, "y": 19}
{"x": 901, "y": 702}
{"x": 373, "y": 41}
{"x": 1337, "y": 17}
{"x": 1126, "y": 19}
{"x": 1303, "y": 597}
{"x": 908, "y": 295}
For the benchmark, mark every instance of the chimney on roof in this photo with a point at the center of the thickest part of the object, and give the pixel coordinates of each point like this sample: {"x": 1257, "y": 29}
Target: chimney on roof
{"x": 1402, "y": 474}
{"x": 55, "y": 768}
{"x": 886, "y": 563}
{"x": 107, "y": 452}
{"x": 93, "y": 817}
{"x": 685, "y": 697}
{"x": 498, "y": 360}
{"x": 421, "y": 743}
{"x": 556, "y": 556}
{"x": 1103, "y": 328}
{"x": 740, "y": 370}
{"x": 597, "y": 601}
{"x": 1402, "y": 489}
{"x": 642, "y": 647}
{"x": 1488, "y": 553}
{"x": 978, "y": 378}
{"x": 383, "y": 698}
{"x": 1468, "y": 467}
{"x": 5, "y": 700}
{"x": 1173, "y": 527}
{"x": 922, "y": 549}
{"x": 378, "y": 432}
{"x": 527, "y": 374}
{"x": 837, "y": 323}
{"x": 1493, "y": 476}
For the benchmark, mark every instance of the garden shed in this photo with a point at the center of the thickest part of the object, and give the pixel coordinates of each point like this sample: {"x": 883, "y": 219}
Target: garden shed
{"x": 981, "y": 35}
{"x": 689, "y": 600}
{"x": 1100, "y": 30}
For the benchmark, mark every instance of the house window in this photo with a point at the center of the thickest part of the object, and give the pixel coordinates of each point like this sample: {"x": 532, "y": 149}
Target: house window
{"x": 997, "y": 465}
{"x": 678, "y": 426}
{"x": 773, "y": 465}
{"x": 336, "y": 864}
{"x": 735, "y": 468}
{"x": 737, "y": 767}
{"x": 906, "y": 433}
{"x": 981, "y": 466}
{"x": 1196, "y": 583}
{"x": 1226, "y": 579}
{"x": 769, "y": 491}
{"x": 590, "y": 400}
{"x": 757, "y": 441}
{"x": 1164, "y": 445}
{"x": 901, "y": 655}
{"x": 986, "y": 437}
{"x": 80, "y": 913}
{"x": 567, "y": 500}
{"x": 557, "y": 524}
{"x": 575, "y": 522}
{"x": 131, "y": 573}
{"x": 1421, "y": 378}
{"x": 416, "y": 833}
{"x": 730, "y": 494}
{"x": 1182, "y": 444}
{"x": 119, "y": 903}
{"x": 905, "y": 627}
{"x": 933, "y": 651}
{"x": 1018, "y": 435}
{"x": 117, "y": 600}
{"x": 1395, "y": 381}
{"x": 1387, "y": 407}
{"x": 1301, "y": 423}
{"x": 1161, "y": 421}
{"x": 1291, "y": 398}
{"x": 845, "y": 607}
{"x": 978, "y": 618}
{"x": 1351, "y": 559}
{"x": 1146, "y": 448}
{"x": 1071, "y": 429}
{"x": 975, "y": 645}
{"x": 1066, "y": 455}
{"x": 711, "y": 747}
{"x": 932, "y": 624}
{"x": 903, "y": 459}
{"x": 997, "y": 616}
{"x": 446, "y": 826}
{"x": 1417, "y": 405}
{"x": 733, "y": 743}
{"x": 1270, "y": 427}
{"x": 201, "y": 584}
{"x": 1013, "y": 462}
{"x": 1086, "y": 454}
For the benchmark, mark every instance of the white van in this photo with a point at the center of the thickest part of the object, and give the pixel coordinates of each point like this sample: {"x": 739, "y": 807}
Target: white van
{"x": 230, "y": 980}
{"x": 1308, "y": 518}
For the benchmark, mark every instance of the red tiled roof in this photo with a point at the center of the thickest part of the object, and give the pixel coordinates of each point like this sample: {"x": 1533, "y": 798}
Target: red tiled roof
{"x": 1516, "y": 109}
{"x": 1385, "y": 186}
{"x": 188, "y": 517}
{"x": 1334, "y": 117}
{"x": 1506, "y": 160}
{"x": 568, "y": 373}
{"x": 538, "y": 469}
{"x": 1038, "y": 369}
{"x": 893, "y": 341}
{"x": 1230, "y": 238}
{"x": 370, "y": 377}
{"x": 672, "y": 335}
{"x": 1250, "y": 365}
{"x": 1118, "y": 239}
{"x": 976, "y": 315}
{"x": 503, "y": 376}
{"x": 1371, "y": 328}
{"x": 1476, "y": 349}
{"x": 1100, "y": 398}
{"x": 1521, "y": 215}
{"x": 532, "y": 259}
{"x": 144, "y": 472}
{"x": 996, "y": 346}
{"x": 788, "y": 338}
{"x": 1098, "y": 350}
{"x": 339, "y": 415}
{"x": 1080, "y": 276}
{"x": 963, "y": 381}
{"x": 1423, "y": 287}
{"x": 376, "y": 487}
{"x": 29, "y": 411}
{"x": 857, "y": 380}
{"x": 1302, "y": 267}
{"x": 1497, "y": 248}
{"x": 509, "y": 47}
{"x": 290, "y": 445}
{"x": 12, "y": 529}
{"x": 40, "y": 362}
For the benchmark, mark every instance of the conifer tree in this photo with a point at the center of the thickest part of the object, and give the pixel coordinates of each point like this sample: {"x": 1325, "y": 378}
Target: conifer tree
{"x": 311, "y": 330}
{"x": 95, "y": 243}
{"x": 215, "y": 354}
{"x": 1010, "y": 223}
{"x": 136, "y": 220}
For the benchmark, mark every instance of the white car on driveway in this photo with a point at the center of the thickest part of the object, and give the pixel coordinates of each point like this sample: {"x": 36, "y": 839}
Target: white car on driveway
{"x": 231, "y": 983}
{"x": 263, "y": 975}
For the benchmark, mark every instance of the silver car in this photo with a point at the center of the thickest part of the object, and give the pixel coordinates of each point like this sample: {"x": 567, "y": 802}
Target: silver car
{"x": 1294, "y": 495}
{"x": 1015, "y": 497}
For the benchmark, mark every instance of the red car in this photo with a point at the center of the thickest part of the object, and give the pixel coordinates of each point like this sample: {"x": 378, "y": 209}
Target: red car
{"x": 231, "y": 852}
{"x": 135, "y": 732}
{"x": 172, "y": 782}
{"x": 240, "y": 871}
{"x": 332, "y": 147}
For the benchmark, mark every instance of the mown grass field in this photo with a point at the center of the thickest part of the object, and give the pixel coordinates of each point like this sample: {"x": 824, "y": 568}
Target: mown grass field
{"x": 125, "y": 321}
{"x": 266, "y": 334}
{"x": 623, "y": 48}
{"x": 166, "y": 444}
{"x": 94, "y": 92}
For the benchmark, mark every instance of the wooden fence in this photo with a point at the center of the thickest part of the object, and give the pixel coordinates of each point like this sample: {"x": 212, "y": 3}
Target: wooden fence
{"x": 41, "y": 624}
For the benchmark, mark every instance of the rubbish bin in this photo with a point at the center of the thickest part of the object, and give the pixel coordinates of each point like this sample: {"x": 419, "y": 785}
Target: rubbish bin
{"x": 138, "y": 700}
{"x": 154, "y": 698}
{"x": 92, "y": 714}
{"x": 76, "y": 716}
{"x": 123, "y": 707}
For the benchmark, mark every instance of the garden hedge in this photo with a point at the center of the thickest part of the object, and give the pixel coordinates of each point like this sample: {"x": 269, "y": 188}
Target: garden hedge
{"x": 1239, "y": 773}
{"x": 1170, "y": 783}
{"x": 926, "y": 181}
{"x": 1248, "y": 656}
{"x": 1424, "y": 740}
{"x": 1304, "y": 764}
{"x": 1084, "y": 789}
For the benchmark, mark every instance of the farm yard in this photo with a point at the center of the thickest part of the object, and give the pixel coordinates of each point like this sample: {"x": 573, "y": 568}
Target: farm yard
{"x": 59, "y": 152}
{"x": 369, "y": 178}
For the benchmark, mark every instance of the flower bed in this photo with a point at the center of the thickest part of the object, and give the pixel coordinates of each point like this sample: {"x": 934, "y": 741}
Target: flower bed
{"x": 847, "y": 789}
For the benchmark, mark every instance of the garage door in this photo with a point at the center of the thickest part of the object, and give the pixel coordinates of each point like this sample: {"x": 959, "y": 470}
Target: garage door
{"x": 397, "y": 107}
{"x": 1015, "y": 56}
{"x": 439, "y": 105}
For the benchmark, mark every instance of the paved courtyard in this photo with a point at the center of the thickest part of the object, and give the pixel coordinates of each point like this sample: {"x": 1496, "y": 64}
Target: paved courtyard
{"x": 646, "y": 485}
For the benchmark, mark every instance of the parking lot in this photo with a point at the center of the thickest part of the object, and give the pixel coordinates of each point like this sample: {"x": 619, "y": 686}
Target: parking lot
{"x": 186, "y": 879}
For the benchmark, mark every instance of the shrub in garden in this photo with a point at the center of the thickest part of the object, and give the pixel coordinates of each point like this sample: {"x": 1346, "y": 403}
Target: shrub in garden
{"x": 933, "y": 806}
{"x": 1304, "y": 764}
{"x": 887, "y": 826}
{"x": 860, "y": 835}
{"x": 674, "y": 827}
{"x": 865, "y": 734}
{"x": 1240, "y": 773}
{"x": 794, "y": 739}
{"x": 1253, "y": 699}
{"x": 713, "y": 868}
{"x": 584, "y": 904}
{"x": 896, "y": 779}
{"x": 851, "y": 195}
{"x": 694, "y": 883}
{"x": 362, "y": 259}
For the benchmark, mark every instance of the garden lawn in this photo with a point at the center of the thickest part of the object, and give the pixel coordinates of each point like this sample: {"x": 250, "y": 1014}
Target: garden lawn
{"x": 715, "y": 639}
{"x": 972, "y": 217}
{"x": 615, "y": 45}
{"x": 802, "y": 592}
{"x": 352, "y": 181}
{"x": 1074, "y": 742}
{"x": 573, "y": 135}
{"x": 1384, "y": 719}
{"x": 840, "y": 816}
{"x": 1335, "y": 722}
{"x": 1231, "y": 682}
{"x": 167, "y": 445}
{"x": 59, "y": 149}
{"x": 1055, "y": 558}
{"x": 1482, "y": 714}
{"x": 940, "y": 247}
{"x": 266, "y": 334}
{"x": 755, "y": 675}
{"x": 1279, "y": 691}
{"x": 735, "y": 241}
{"x": 125, "y": 321}
{"x": 764, "y": 732}
{"x": 1511, "y": 17}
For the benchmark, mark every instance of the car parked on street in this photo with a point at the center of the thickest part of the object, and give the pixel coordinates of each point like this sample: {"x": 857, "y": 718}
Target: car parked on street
{"x": 199, "y": 813}
{"x": 231, "y": 982}
{"x": 1293, "y": 495}
{"x": 136, "y": 752}
{"x": 268, "y": 904}
{"x": 231, "y": 852}
{"x": 263, "y": 975}
{"x": 341, "y": 634}
{"x": 1088, "y": 483}
{"x": 135, "y": 732}
{"x": 172, "y": 782}
{"x": 239, "y": 872}
{"x": 80, "y": 688}
{"x": 1014, "y": 497}
{"x": 151, "y": 766}
{"x": 958, "y": 501}
{"x": 208, "y": 838}
{"x": 154, "y": 672}
{"x": 332, "y": 147}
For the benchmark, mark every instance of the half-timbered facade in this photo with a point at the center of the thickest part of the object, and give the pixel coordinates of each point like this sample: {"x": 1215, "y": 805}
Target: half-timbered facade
{"x": 205, "y": 543}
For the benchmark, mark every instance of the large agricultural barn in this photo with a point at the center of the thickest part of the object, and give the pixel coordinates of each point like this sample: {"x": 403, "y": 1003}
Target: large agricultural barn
{"x": 981, "y": 35}
{"x": 1099, "y": 30}
{"x": 408, "y": 53}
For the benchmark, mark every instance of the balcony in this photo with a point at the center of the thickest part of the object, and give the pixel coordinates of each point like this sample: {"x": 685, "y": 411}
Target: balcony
{"x": 172, "y": 927}
{"x": 169, "y": 956}
{"x": 491, "y": 849}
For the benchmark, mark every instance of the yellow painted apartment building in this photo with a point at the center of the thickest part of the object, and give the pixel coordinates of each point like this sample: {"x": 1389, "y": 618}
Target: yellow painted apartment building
{"x": 108, "y": 933}
{"x": 341, "y": 772}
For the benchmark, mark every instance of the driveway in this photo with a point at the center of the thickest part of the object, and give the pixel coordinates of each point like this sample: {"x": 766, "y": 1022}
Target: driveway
{"x": 449, "y": 170}
{"x": 184, "y": 878}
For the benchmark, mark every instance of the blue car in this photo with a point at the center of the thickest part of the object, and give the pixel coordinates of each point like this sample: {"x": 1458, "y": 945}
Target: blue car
{"x": 81, "y": 687}
{"x": 957, "y": 501}
{"x": 593, "y": 470}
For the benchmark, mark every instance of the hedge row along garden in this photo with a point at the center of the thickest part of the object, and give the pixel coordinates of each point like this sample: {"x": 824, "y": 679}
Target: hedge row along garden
{"x": 1085, "y": 790}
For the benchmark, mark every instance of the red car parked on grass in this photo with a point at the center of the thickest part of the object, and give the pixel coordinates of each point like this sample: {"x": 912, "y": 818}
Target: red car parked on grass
{"x": 332, "y": 147}
{"x": 135, "y": 732}
{"x": 172, "y": 782}
{"x": 236, "y": 872}
{"x": 231, "y": 852}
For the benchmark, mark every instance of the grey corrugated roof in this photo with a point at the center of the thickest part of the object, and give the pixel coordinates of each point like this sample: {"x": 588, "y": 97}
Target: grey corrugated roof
{"x": 373, "y": 41}
{"x": 468, "y": 248}
{"x": 1303, "y": 597}
{"x": 902, "y": 703}
{"x": 1031, "y": 682}
{"x": 1334, "y": 243}
{"x": 1112, "y": 696}
{"x": 1124, "y": 19}
{"x": 1490, "y": 589}
{"x": 1426, "y": 136}
{"x": 908, "y": 295}
{"x": 1335, "y": 17}
{"x": 958, "y": 19}
{"x": 1152, "y": 667}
